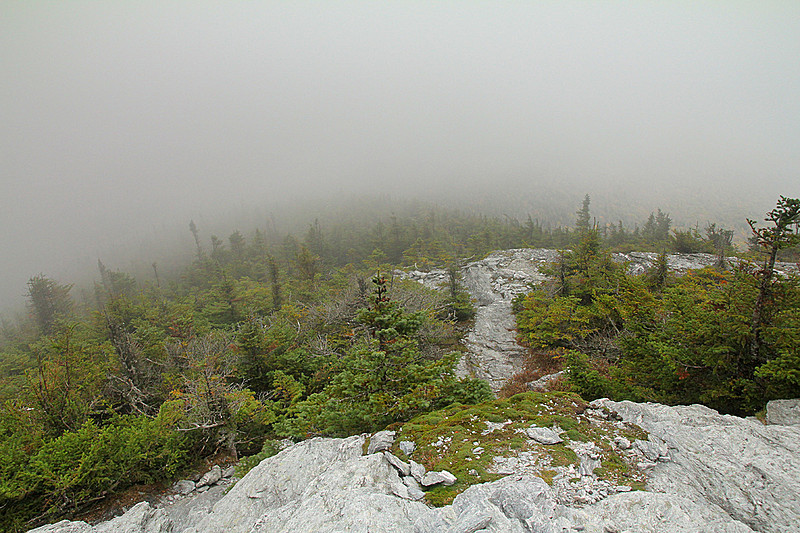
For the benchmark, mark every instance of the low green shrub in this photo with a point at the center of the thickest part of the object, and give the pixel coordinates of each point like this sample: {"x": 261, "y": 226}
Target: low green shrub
{"x": 88, "y": 464}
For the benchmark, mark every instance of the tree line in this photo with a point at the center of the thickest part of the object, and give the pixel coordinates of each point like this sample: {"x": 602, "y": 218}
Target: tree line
{"x": 725, "y": 336}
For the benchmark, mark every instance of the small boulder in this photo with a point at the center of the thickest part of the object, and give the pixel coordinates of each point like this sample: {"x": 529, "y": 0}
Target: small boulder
{"x": 381, "y": 441}
{"x": 210, "y": 477}
{"x": 401, "y": 466}
{"x": 184, "y": 486}
{"x": 407, "y": 447}
{"x": 543, "y": 435}
{"x": 434, "y": 478}
{"x": 229, "y": 472}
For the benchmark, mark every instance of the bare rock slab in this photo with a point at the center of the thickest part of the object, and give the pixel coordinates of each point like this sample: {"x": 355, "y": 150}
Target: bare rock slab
{"x": 784, "y": 412}
{"x": 749, "y": 470}
{"x": 543, "y": 435}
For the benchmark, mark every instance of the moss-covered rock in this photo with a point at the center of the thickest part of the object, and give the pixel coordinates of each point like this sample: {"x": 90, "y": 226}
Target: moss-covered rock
{"x": 487, "y": 441}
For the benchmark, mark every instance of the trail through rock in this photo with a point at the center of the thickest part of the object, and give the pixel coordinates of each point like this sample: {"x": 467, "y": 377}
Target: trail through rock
{"x": 492, "y": 352}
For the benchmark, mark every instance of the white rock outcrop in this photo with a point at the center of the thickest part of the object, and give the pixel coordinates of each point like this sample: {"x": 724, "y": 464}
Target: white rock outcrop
{"x": 748, "y": 469}
{"x": 710, "y": 472}
{"x": 141, "y": 518}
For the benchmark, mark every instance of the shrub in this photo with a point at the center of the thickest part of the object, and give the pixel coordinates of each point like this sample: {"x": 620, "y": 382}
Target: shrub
{"x": 91, "y": 462}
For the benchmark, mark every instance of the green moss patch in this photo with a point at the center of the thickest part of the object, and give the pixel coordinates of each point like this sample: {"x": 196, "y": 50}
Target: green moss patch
{"x": 475, "y": 442}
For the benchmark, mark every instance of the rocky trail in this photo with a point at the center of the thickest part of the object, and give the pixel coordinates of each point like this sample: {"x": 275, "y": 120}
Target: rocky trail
{"x": 493, "y": 282}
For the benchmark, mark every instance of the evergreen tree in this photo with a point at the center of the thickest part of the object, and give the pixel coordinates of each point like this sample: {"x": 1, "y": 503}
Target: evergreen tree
{"x": 583, "y": 217}
{"x": 780, "y": 235}
{"x": 48, "y": 301}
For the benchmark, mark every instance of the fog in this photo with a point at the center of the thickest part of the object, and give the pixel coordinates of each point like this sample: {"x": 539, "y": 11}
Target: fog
{"x": 120, "y": 122}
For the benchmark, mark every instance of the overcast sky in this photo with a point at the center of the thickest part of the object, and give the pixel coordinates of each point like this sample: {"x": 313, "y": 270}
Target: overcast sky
{"x": 123, "y": 117}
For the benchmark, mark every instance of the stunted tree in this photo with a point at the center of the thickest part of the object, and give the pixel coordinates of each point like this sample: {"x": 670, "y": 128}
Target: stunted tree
{"x": 208, "y": 399}
{"x": 237, "y": 242}
{"x": 275, "y": 283}
{"x": 582, "y": 220}
{"x": 721, "y": 239}
{"x": 48, "y": 301}
{"x": 781, "y": 233}
{"x": 657, "y": 227}
{"x": 67, "y": 385}
{"x": 307, "y": 263}
{"x": 193, "y": 229}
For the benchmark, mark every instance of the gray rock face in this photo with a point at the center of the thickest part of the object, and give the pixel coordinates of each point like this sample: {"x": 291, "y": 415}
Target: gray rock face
{"x": 141, "y": 518}
{"x": 322, "y": 485}
{"x": 282, "y": 480}
{"x": 543, "y": 435}
{"x": 653, "y": 449}
{"x": 64, "y": 526}
{"x": 784, "y": 412}
{"x": 380, "y": 441}
{"x": 187, "y": 511}
{"x": 749, "y": 470}
{"x": 210, "y": 477}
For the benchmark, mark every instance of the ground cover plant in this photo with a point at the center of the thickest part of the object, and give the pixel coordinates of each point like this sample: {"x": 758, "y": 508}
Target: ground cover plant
{"x": 468, "y": 440}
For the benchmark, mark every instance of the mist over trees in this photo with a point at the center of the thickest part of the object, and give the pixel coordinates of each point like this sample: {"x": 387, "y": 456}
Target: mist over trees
{"x": 265, "y": 334}
{"x": 203, "y": 206}
{"x": 122, "y": 122}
